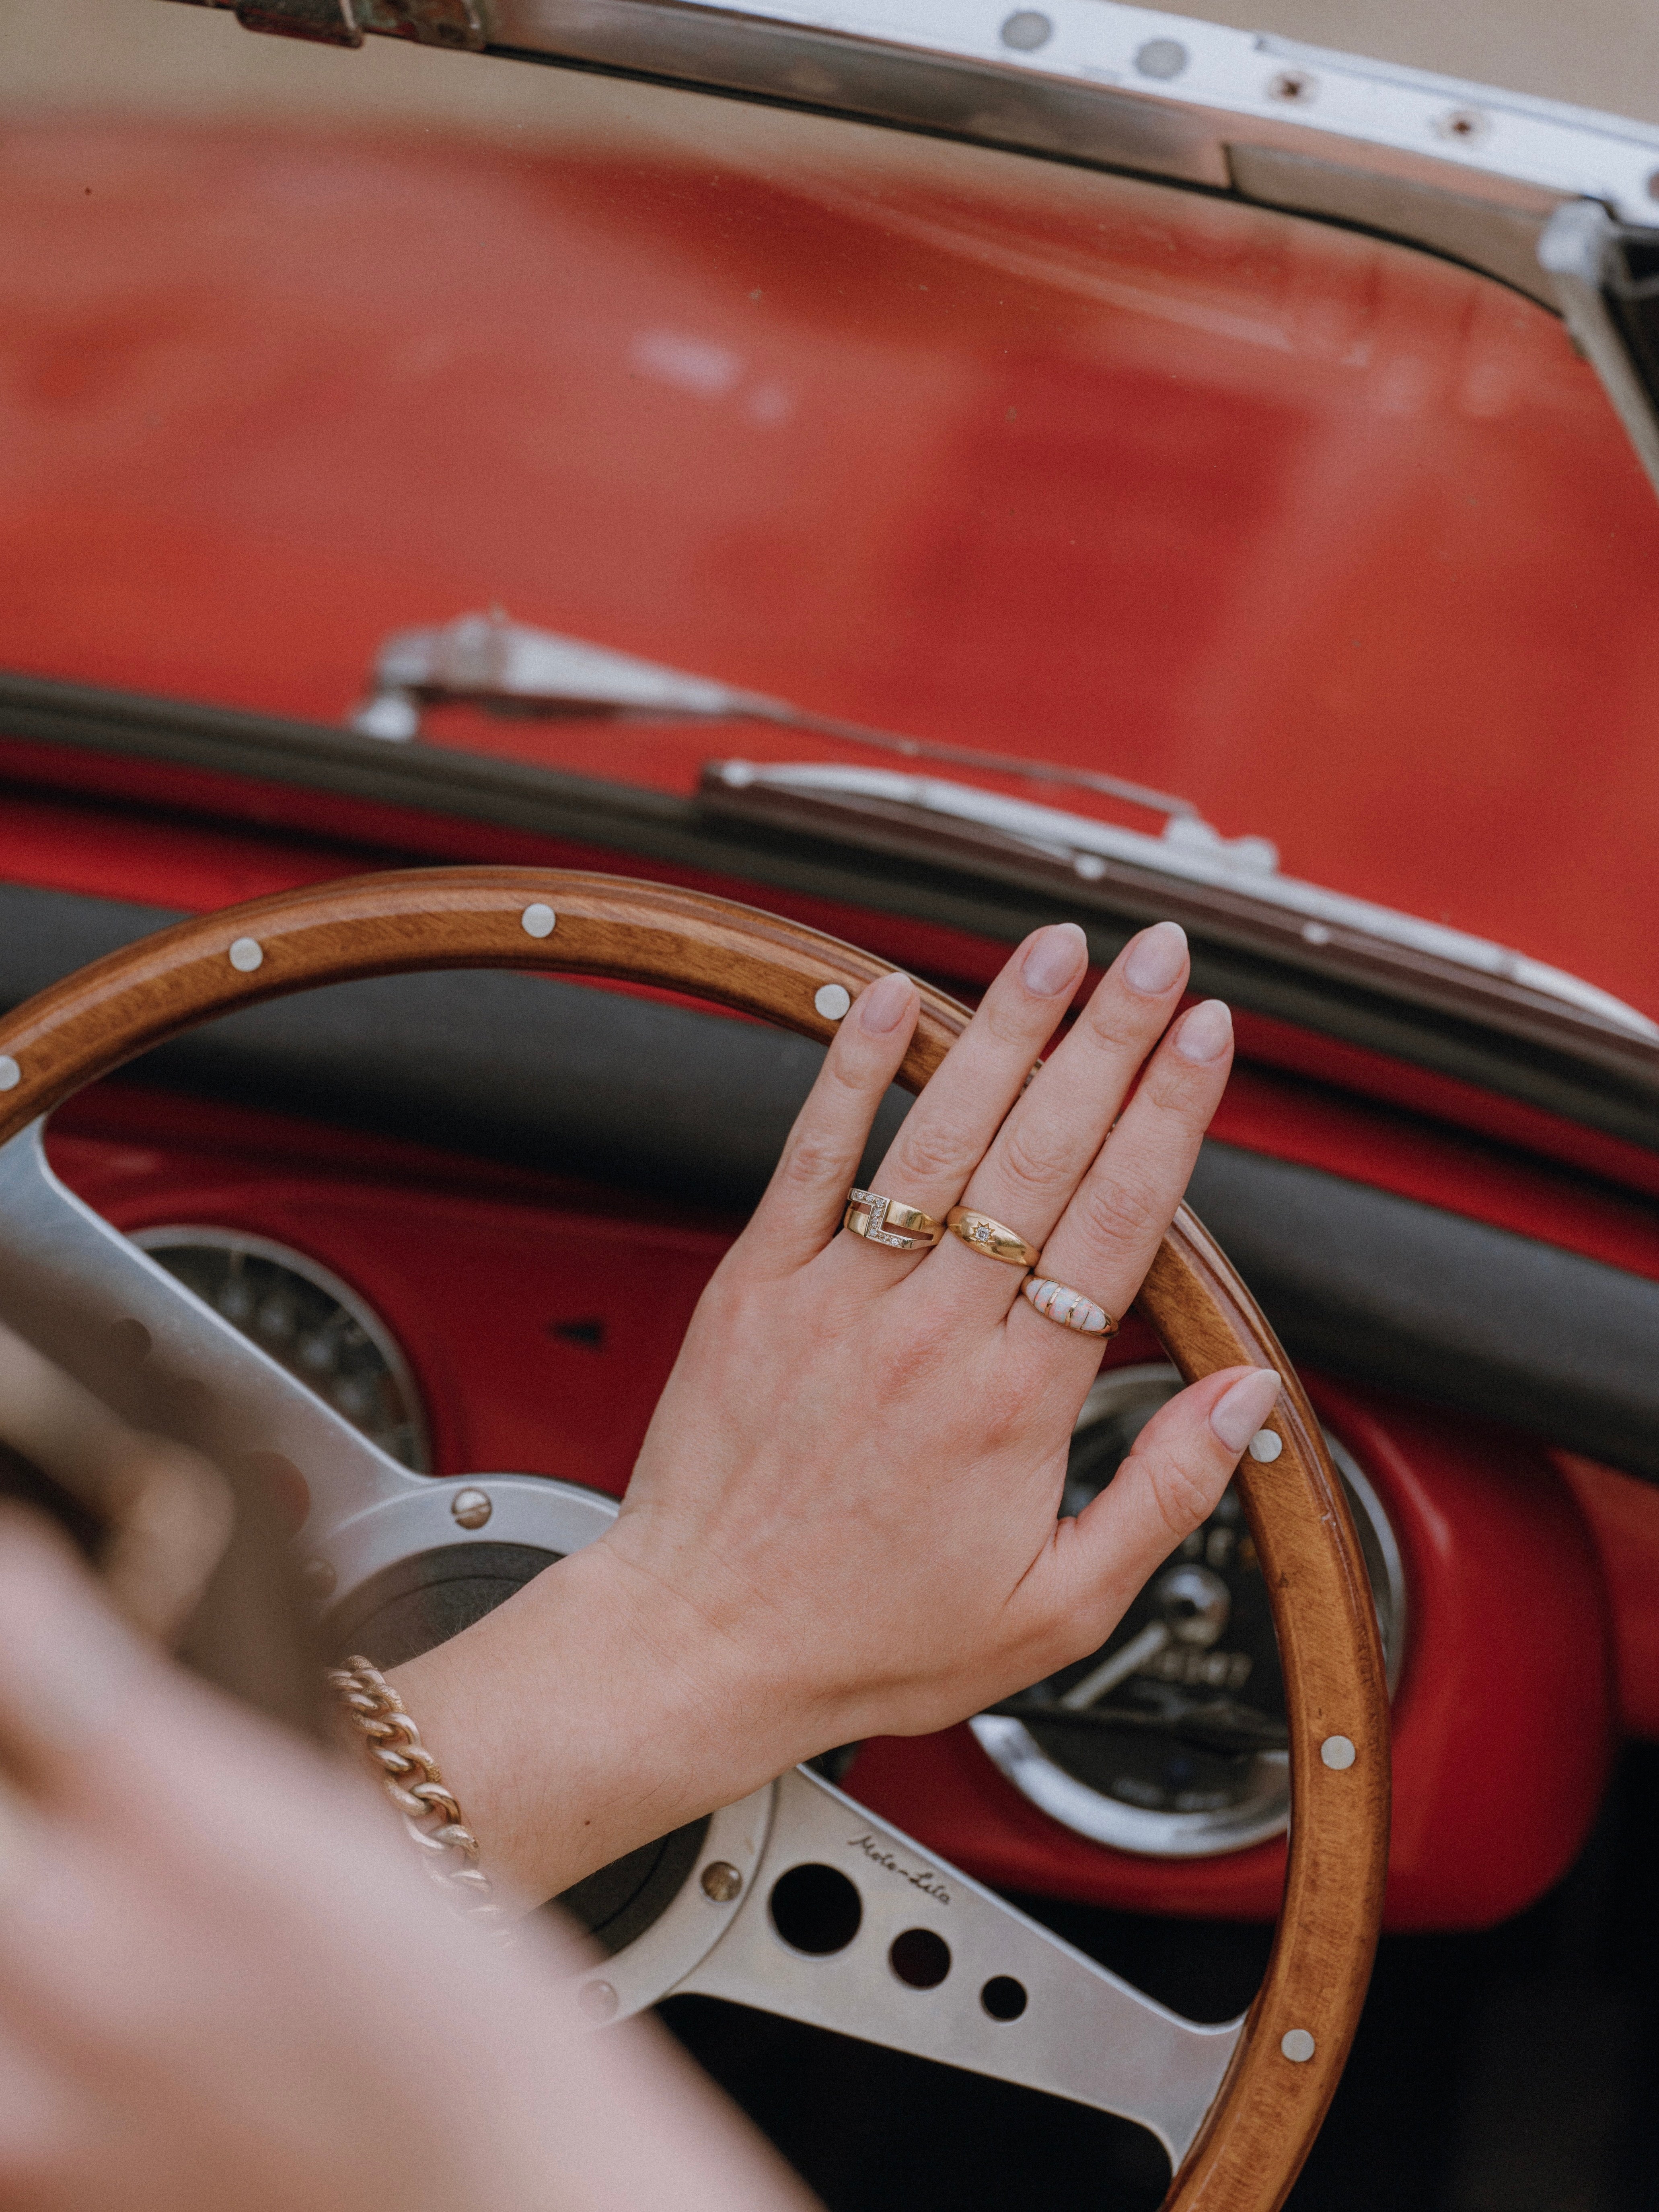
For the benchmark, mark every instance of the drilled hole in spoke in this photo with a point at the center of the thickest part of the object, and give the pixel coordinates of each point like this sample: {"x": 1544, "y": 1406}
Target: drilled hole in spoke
{"x": 816, "y": 1910}
{"x": 921, "y": 1959}
{"x": 1003, "y": 1997}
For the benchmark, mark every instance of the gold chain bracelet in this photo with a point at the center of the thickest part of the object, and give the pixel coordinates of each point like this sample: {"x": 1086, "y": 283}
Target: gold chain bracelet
{"x": 430, "y": 1813}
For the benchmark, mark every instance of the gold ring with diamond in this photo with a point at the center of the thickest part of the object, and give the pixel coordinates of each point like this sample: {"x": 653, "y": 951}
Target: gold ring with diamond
{"x": 980, "y": 1234}
{"x": 882, "y": 1220}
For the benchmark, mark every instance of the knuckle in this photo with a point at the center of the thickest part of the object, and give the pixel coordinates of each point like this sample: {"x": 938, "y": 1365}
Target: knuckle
{"x": 1116, "y": 1214}
{"x": 1110, "y": 1026}
{"x": 935, "y": 1151}
{"x": 1182, "y": 1088}
{"x": 1183, "y": 1499}
{"x": 1032, "y": 1163}
{"x": 809, "y": 1162}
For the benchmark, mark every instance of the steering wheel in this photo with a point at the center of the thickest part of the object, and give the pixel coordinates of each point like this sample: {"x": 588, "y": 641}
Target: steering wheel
{"x": 797, "y": 1900}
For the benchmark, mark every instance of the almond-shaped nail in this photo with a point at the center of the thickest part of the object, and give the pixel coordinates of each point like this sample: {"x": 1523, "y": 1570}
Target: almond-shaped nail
{"x": 882, "y": 1007}
{"x": 1205, "y": 1033}
{"x": 1157, "y": 959}
{"x": 1239, "y": 1413}
{"x": 1058, "y": 956}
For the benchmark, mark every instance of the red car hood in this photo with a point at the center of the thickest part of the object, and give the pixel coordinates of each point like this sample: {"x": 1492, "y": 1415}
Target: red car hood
{"x": 1340, "y": 542}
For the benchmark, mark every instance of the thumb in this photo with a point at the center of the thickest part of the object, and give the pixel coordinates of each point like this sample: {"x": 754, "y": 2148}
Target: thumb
{"x": 1171, "y": 1481}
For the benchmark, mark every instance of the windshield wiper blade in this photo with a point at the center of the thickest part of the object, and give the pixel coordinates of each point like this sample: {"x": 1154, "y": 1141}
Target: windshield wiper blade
{"x": 1228, "y": 887}
{"x": 510, "y": 668}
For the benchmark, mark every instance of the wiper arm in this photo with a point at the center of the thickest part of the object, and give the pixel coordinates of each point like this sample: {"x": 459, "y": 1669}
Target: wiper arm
{"x": 509, "y": 668}
{"x": 1228, "y": 887}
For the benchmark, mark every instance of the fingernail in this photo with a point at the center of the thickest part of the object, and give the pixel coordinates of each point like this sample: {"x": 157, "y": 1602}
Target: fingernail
{"x": 1207, "y": 1032}
{"x": 882, "y": 1007}
{"x": 1239, "y": 1413}
{"x": 1157, "y": 959}
{"x": 1057, "y": 957}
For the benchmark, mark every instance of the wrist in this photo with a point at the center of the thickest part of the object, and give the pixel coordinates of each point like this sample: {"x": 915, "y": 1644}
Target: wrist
{"x": 592, "y": 1713}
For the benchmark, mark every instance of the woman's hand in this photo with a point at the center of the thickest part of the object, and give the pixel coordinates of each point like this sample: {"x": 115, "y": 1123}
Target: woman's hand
{"x": 224, "y": 1980}
{"x": 843, "y": 1522}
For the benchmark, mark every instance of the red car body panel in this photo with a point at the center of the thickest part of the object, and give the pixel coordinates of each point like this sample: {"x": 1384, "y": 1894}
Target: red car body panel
{"x": 1342, "y": 543}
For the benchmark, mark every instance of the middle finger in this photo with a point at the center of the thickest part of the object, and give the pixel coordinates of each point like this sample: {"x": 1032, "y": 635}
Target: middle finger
{"x": 943, "y": 1136}
{"x": 1046, "y": 1145}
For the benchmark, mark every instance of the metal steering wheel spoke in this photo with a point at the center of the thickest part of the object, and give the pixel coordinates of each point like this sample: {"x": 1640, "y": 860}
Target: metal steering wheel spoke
{"x": 132, "y": 1334}
{"x": 906, "y": 1951}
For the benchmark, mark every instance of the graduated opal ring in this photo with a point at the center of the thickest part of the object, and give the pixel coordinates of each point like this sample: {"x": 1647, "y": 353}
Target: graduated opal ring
{"x": 882, "y": 1220}
{"x": 1055, "y": 1303}
{"x": 980, "y": 1234}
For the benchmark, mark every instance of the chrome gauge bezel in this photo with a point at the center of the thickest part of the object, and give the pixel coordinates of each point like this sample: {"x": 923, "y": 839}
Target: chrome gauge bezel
{"x": 1264, "y": 1810}
{"x": 167, "y": 1236}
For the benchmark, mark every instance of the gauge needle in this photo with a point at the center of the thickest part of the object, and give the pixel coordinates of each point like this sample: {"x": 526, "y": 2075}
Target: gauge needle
{"x": 1110, "y": 1672}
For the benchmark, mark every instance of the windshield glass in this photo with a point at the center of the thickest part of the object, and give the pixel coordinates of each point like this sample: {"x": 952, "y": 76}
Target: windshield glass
{"x": 1340, "y": 543}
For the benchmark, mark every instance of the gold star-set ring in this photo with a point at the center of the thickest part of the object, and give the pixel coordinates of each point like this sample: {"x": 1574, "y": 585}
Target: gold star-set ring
{"x": 883, "y": 1220}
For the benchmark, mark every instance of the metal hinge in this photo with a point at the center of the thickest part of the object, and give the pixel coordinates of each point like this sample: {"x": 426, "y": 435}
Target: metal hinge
{"x": 453, "y": 23}
{"x": 1607, "y": 282}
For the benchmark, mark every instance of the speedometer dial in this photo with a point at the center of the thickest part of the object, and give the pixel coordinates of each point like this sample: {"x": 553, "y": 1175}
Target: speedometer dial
{"x": 1171, "y": 1739}
{"x": 309, "y": 1321}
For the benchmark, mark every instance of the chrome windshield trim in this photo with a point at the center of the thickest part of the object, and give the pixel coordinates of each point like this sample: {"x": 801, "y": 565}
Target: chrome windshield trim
{"x": 1242, "y": 872}
{"x": 1088, "y": 80}
{"x": 1467, "y": 171}
{"x": 1224, "y": 87}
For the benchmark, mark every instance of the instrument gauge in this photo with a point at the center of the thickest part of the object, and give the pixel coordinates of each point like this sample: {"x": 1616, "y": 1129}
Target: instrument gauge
{"x": 1172, "y": 1739}
{"x": 310, "y": 1323}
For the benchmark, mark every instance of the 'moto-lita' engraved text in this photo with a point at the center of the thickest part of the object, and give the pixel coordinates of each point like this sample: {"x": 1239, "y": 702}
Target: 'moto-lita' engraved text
{"x": 926, "y": 1879}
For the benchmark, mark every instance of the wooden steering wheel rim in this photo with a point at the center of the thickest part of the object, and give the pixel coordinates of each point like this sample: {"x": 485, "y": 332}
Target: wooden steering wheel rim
{"x": 1270, "y": 2105}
